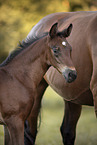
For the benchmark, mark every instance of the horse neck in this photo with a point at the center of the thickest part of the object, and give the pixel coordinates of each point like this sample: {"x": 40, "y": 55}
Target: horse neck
{"x": 31, "y": 64}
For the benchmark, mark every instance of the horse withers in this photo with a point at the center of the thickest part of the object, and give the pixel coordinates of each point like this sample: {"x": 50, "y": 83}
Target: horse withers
{"x": 22, "y": 72}
{"x": 83, "y": 91}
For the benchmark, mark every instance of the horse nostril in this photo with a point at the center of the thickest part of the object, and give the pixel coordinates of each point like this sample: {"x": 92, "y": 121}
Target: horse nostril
{"x": 72, "y": 75}
{"x": 69, "y": 75}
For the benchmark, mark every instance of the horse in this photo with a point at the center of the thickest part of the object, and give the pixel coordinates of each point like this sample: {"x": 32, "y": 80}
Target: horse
{"x": 21, "y": 74}
{"x": 83, "y": 91}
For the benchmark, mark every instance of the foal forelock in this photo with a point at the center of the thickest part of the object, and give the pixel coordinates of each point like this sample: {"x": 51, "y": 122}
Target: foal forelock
{"x": 21, "y": 46}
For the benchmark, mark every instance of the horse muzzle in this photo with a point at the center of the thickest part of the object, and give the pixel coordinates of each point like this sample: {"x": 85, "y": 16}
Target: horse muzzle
{"x": 69, "y": 74}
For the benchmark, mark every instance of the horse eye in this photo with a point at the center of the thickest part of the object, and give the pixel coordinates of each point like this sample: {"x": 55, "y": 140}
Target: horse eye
{"x": 56, "y": 51}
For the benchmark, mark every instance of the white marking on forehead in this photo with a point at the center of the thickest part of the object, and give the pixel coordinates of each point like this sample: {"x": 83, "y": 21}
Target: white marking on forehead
{"x": 64, "y": 43}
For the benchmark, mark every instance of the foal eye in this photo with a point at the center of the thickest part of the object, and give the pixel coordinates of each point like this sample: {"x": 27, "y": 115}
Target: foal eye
{"x": 56, "y": 51}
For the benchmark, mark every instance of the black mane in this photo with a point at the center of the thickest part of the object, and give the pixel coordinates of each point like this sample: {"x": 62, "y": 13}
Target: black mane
{"x": 21, "y": 46}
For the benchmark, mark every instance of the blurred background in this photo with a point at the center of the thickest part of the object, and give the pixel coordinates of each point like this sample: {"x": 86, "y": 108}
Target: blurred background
{"x": 17, "y": 17}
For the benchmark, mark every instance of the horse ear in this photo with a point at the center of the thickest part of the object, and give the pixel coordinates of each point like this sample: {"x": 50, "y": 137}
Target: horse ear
{"x": 53, "y": 30}
{"x": 66, "y": 32}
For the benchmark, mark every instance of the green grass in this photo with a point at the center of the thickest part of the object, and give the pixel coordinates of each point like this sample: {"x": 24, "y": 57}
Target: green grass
{"x": 1, "y": 135}
{"x": 52, "y": 115}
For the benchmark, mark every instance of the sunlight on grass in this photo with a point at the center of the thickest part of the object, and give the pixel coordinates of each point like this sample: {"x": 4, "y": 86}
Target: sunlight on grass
{"x": 52, "y": 115}
{"x": 87, "y": 128}
{"x": 1, "y": 135}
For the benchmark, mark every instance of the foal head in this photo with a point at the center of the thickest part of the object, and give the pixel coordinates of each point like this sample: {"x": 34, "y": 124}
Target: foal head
{"x": 60, "y": 56}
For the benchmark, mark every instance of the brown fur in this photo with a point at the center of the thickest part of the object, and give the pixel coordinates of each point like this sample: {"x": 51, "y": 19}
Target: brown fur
{"x": 83, "y": 91}
{"x": 20, "y": 76}
{"x": 82, "y": 39}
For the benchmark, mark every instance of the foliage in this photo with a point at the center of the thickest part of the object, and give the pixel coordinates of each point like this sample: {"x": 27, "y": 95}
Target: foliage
{"x": 83, "y": 5}
{"x": 17, "y": 17}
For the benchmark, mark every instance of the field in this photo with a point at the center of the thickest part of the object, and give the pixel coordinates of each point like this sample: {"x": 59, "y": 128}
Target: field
{"x": 52, "y": 114}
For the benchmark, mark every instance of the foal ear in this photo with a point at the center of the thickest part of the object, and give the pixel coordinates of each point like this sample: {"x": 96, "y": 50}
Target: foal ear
{"x": 67, "y": 31}
{"x": 53, "y": 30}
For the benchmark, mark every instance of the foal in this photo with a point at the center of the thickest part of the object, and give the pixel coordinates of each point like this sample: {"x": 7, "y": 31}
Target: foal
{"x": 21, "y": 73}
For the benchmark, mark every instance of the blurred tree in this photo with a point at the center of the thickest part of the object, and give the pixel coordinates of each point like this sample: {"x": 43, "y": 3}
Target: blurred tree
{"x": 83, "y": 5}
{"x": 18, "y": 16}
